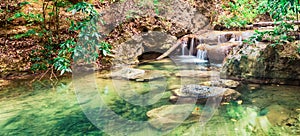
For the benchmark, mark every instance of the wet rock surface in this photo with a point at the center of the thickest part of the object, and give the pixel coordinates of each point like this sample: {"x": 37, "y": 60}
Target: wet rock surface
{"x": 221, "y": 83}
{"x": 134, "y": 74}
{"x": 198, "y": 93}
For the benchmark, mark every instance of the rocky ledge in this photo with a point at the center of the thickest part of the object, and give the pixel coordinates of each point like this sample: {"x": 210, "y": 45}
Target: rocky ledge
{"x": 262, "y": 63}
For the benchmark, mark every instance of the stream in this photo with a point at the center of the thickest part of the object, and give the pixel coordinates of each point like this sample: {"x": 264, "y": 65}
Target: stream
{"x": 44, "y": 109}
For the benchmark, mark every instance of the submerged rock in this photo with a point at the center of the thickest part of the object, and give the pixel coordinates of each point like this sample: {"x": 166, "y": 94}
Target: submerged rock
{"x": 191, "y": 93}
{"x": 170, "y": 116}
{"x": 127, "y": 73}
{"x": 277, "y": 114}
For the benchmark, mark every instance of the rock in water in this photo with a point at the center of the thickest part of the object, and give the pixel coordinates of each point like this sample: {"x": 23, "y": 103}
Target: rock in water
{"x": 127, "y": 73}
{"x": 201, "y": 93}
{"x": 195, "y": 73}
{"x": 170, "y": 116}
{"x": 135, "y": 74}
{"x": 222, "y": 83}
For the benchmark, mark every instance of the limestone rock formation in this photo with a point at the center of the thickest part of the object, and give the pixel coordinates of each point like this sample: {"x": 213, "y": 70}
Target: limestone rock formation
{"x": 262, "y": 63}
{"x": 179, "y": 12}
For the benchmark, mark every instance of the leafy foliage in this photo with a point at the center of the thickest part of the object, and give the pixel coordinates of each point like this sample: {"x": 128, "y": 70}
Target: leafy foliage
{"x": 281, "y": 12}
{"x": 57, "y": 53}
{"x": 241, "y": 13}
{"x": 88, "y": 43}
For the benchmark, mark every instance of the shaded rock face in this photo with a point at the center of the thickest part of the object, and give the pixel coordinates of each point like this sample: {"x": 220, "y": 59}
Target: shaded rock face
{"x": 201, "y": 93}
{"x": 264, "y": 64}
{"x": 216, "y": 54}
{"x": 128, "y": 52}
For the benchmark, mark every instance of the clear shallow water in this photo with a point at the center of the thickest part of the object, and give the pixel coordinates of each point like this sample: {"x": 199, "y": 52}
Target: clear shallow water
{"x": 41, "y": 109}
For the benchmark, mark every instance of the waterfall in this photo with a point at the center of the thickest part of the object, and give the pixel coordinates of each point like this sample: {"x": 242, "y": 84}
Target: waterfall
{"x": 201, "y": 54}
{"x": 191, "y": 47}
{"x": 183, "y": 45}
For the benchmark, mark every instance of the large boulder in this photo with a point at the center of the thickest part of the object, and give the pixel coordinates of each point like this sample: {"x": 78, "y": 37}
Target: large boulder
{"x": 262, "y": 63}
{"x": 198, "y": 93}
{"x": 217, "y": 53}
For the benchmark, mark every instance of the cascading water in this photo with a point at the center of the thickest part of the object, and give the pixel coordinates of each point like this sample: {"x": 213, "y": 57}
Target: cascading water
{"x": 201, "y": 54}
{"x": 191, "y": 47}
{"x": 219, "y": 39}
{"x": 183, "y": 46}
{"x": 240, "y": 40}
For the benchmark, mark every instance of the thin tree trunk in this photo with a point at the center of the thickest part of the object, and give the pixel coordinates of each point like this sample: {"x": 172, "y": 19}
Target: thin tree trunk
{"x": 264, "y": 24}
{"x": 5, "y": 18}
{"x": 170, "y": 50}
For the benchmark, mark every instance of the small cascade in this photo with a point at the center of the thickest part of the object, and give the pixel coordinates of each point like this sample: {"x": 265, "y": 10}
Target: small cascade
{"x": 240, "y": 39}
{"x": 201, "y": 54}
{"x": 183, "y": 46}
{"x": 219, "y": 39}
{"x": 191, "y": 47}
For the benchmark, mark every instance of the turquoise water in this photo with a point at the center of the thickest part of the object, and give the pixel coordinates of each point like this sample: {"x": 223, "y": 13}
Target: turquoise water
{"x": 42, "y": 108}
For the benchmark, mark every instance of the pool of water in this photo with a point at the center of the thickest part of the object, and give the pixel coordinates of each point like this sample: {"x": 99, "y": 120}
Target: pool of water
{"x": 97, "y": 106}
